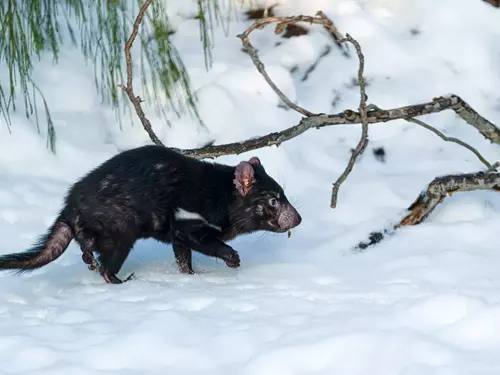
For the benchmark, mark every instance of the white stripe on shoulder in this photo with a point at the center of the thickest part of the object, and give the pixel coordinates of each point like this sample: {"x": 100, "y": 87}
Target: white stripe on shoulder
{"x": 182, "y": 214}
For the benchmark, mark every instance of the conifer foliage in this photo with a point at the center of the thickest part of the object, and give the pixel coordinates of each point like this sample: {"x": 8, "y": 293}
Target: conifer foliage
{"x": 99, "y": 28}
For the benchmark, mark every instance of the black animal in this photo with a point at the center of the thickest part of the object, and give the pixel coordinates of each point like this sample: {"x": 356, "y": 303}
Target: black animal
{"x": 155, "y": 192}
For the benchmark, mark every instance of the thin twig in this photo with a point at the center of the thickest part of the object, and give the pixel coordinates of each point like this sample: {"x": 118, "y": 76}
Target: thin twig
{"x": 129, "y": 89}
{"x": 282, "y": 22}
{"x": 452, "y": 139}
{"x": 446, "y": 138}
{"x": 262, "y": 70}
{"x": 363, "y": 142}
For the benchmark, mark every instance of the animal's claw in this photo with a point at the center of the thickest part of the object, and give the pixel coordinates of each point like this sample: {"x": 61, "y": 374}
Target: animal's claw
{"x": 93, "y": 265}
{"x": 113, "y": 279}
{"x": 89, "y": 259}
{"x": 233, "y": 260}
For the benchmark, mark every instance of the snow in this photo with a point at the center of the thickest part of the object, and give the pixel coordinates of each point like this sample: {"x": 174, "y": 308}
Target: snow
{"x": 425, "y": 301}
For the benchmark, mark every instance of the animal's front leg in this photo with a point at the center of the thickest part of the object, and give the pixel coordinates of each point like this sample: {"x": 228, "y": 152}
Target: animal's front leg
{"x": 183, "y": 257}
{"x": 204, "y": 239}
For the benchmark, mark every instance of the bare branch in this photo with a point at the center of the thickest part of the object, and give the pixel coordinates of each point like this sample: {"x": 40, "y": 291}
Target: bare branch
{"x": 129, "y": 89}
{"x": 348, "y": 117}
{"x": 435, "y": 193}
{"x": 447, "y": 139}
{"x": 363, "y": 142}
{"x": 439, "y": 104}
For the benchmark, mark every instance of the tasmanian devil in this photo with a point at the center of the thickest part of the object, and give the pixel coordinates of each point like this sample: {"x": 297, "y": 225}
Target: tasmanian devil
{"x": 155, "y": 192}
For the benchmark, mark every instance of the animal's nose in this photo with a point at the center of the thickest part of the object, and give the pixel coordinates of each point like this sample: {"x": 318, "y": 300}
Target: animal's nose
{"x": 298, "y": 220}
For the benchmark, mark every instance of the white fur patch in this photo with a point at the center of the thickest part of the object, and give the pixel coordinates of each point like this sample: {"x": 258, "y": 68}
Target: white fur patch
{"x": 182, "y": 214}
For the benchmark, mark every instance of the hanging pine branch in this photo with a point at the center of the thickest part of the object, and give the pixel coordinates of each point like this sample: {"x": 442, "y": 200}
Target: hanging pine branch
{"x": 100, "y": 29}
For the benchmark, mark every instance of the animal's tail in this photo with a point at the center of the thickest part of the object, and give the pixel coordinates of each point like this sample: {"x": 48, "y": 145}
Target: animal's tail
{"x": 47, "y": 249}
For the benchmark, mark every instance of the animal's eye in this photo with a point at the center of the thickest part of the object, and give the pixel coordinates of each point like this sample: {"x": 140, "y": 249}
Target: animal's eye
{"x": 272, "y": 202}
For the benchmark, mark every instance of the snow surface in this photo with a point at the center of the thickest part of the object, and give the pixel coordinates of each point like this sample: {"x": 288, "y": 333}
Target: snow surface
{"x": 424, "y": 302}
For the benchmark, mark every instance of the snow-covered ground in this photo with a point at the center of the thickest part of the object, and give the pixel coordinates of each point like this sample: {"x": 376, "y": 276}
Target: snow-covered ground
{"x": 424, "y": 302}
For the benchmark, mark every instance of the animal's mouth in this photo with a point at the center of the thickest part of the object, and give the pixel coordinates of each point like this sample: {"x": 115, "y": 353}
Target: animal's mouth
{"x": 275, "y": 227}
{"x": 282, "y": 230}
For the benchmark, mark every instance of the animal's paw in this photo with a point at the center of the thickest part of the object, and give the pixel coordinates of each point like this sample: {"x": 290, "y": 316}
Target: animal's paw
{"x": 232, "y": 259}
{"x": 186, "y": 268}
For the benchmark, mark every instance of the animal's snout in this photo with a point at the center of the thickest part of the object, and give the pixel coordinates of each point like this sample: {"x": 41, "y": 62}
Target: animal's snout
{"x": 289, "y": 218}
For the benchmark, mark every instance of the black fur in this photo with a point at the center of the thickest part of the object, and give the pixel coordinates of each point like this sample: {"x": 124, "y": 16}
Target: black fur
{"x": 138, "y": 193}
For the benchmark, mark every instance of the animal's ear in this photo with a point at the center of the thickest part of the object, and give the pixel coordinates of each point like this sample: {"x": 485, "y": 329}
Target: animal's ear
{"x": 254, "y": 160}
{"x": 244, "y": 177}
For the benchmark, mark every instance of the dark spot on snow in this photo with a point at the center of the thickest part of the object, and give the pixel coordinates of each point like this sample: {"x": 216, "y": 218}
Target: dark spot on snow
{"x": 283, "y": 106}
{"x": 373, "y": 239}
{"x": 415, "y": 32}
{"x": 336, "y": 98}
{"x": 379, "y": 154}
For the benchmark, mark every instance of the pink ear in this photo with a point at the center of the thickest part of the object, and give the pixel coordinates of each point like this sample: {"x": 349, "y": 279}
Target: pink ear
{"x": 243, "y": 177}
{"x": 254, "y": 160}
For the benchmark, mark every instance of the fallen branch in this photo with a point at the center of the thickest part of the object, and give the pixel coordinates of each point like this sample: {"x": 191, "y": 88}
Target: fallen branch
{"x": 435, "y": 193}
{"x": 440, "y": 187}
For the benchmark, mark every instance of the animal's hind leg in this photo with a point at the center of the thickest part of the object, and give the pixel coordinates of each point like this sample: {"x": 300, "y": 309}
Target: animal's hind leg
{"x": 111, "y": 260}
{"x": 86, "y": 245}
